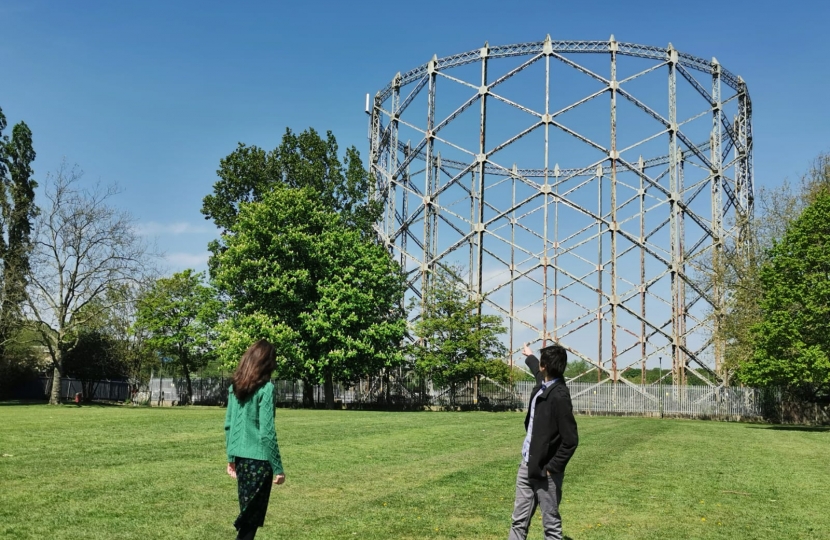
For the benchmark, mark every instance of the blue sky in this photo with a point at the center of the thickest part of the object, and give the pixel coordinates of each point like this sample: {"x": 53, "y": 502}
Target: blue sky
{"x": 152, "y": 94}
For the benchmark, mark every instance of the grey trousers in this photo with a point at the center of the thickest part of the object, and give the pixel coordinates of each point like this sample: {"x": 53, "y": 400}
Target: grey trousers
{"x": 531, "y": 493}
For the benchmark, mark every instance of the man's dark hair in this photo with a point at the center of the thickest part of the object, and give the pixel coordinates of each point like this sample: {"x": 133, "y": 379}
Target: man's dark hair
{"x": 554, "y": 359}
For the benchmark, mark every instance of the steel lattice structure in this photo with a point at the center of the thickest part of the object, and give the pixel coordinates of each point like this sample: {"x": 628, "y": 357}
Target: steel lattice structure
{"x": 582, "y": 196}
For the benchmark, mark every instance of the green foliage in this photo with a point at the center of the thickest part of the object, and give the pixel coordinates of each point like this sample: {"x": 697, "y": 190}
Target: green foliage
{"x": 21, "y": 360}
{"x": 578, "y": 367}
{"x": 93, "y": 357}
{"x": 735, "y": 272}
{"x": 793, "y": 335}
{"x": 17, "y": 209}
{"x": 181, "y": 314}
{"x": 130, "y": 337}
{"x": 297, "y": 275}
{"x": 300, "y": 161}
{"x": 456, "y": 342}
{"x": 520, "y": 374}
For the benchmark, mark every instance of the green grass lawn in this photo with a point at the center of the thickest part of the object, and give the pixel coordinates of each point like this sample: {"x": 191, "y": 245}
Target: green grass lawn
{"x": 138, "y": 473}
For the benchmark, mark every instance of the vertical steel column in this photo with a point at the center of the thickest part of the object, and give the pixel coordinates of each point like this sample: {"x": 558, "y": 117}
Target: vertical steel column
{"x": 374, "y": 141}
{"x": 473, "y": 238}
{"x": 405, "y": 207}
{"x": 545, "y": 192}
{"x": 391, "y": 194}
{"x": 599, "y": 272}
{"x": 482, "y": 159}
{"x": 512, "y": 264}
{"x": 556, "y": 174}
{"x": 547, "y": 49}
{"x": 745, "y": 187}
{"x": 374, "y": 147}
{"x": 680, "y": 337}
{"x": 426, "y": 262}
{"x": 715, "y": 156}
{"x": 436, "y": 180}
{"x": 674, "y": 167}
{"x": 642, "y": 197}
{"x": 612, "y": 46}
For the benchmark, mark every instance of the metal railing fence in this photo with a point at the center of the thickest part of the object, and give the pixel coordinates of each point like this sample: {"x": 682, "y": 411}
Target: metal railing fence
{"x": 604, "y": 398}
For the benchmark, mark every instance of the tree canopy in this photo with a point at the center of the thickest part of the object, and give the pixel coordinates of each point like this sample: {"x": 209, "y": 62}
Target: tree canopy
{"x": 793, "y": 336}
{"x": 736, "y": 271}
{"x": 456, "y": 342}
{"x": 17, "y": 211}
{"x": 303, "y": 160}
{"x": 181, "y": 313}
{"x": 326, "y": 296}
{"x": 93, "y": 357}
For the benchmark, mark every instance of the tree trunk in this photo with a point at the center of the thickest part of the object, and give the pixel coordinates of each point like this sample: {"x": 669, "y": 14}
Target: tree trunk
{"x": 328, "y": 387}
{"x": 55, "y": 396}
{"x": 308, "y": 394}
{"x": 386, "y": 391}
{"x": 188, "y": 397}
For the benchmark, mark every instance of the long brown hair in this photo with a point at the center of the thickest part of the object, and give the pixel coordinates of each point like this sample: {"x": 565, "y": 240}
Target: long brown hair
{"x": 254, "y": 370}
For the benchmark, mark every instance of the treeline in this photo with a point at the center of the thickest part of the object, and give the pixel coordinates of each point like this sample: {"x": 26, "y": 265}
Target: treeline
{"x": 297, "y": 261}
{"x": 774, "y": 327}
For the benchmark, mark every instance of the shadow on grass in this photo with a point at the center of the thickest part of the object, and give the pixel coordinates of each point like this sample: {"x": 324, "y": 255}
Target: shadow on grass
{"x": 794, "y": 428}
{"x": 15, "y": 402}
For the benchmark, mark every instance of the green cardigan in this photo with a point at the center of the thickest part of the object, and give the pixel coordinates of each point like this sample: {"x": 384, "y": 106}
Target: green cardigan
{"x": 249, "y": 428}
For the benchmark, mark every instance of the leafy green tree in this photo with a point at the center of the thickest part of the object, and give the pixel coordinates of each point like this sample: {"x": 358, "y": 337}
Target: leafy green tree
{"x": 327, "y": 297}
{"x": 306, "y": 160}
{"x": 93, "y": 357}
{"x": 130, "y": 337}
{"x": 21, "y": 361}
{"x": 115, "y": 330}
{"x": 18, "y": 210}
{"x": 456, "y": 342}
{"x": 793, "y": 335}
{"x": 181, "y": 314}
{"x": 522, "y": 375}
{"x": 736, "y": 270}
{"x": 577, "y": 367}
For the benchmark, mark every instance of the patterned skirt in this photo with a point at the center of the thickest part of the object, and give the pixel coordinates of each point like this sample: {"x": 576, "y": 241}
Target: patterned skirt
{"x": 254, "y": 478}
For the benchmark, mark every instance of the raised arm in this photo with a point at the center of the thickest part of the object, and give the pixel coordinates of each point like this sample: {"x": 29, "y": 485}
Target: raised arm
{"x": 532, "y": 364}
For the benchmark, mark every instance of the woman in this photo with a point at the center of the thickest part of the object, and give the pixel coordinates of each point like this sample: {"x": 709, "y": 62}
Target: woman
{"x": 250, "y": 438}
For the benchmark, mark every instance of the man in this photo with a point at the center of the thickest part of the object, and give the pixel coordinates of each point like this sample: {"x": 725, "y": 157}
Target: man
{"x": 550, "y": 442}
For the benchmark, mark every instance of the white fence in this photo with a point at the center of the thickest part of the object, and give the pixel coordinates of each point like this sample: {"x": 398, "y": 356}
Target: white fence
{"x": 665, "y": 400}
{"x": 604, "y": 398}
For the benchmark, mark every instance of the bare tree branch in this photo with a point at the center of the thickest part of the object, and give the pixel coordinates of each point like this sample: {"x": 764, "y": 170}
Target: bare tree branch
{"x": 83, "y": 248}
